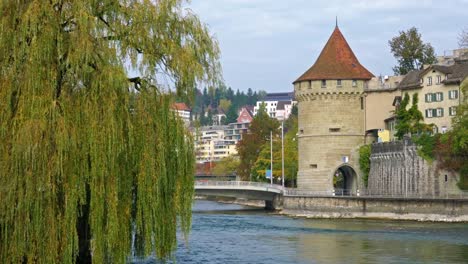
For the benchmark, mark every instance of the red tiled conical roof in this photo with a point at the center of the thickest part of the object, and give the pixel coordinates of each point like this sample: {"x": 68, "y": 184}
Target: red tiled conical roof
{"x": 336, "y": 61}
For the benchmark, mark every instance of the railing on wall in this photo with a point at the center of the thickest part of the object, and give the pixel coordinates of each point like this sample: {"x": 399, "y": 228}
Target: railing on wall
{"x": 293, "y": 192}
{"x": 364, "y": 193}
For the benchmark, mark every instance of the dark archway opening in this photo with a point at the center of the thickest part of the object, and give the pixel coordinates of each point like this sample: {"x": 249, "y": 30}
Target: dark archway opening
{"x": 344, "y": 180}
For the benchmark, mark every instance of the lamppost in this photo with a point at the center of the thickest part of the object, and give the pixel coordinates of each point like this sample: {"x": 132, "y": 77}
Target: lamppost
{"x": 271, "y": 156}
{"x": 282, "y": 153}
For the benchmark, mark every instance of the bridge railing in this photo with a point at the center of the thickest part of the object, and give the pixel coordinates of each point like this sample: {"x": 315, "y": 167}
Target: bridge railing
{"x": 237, "y": 183}
{"x": 366, "y": 193}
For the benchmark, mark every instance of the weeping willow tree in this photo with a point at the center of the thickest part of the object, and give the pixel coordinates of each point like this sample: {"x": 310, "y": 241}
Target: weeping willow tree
{"x": 94, "y": 163}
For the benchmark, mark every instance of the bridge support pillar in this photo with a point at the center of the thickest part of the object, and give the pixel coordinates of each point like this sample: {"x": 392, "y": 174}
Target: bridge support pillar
{"x": 275, "y": 204}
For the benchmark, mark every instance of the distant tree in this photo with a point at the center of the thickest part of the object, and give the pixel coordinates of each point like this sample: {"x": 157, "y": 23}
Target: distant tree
{"x": 295, "y": 110}
{"x": 290, "y": 156}
{"x": 209, "y": 118}
{"x": 224, "y": 104}
{"x": 410, "y": 51}
{"x": 226, "y": 166}
{"x": 231, "y": 114}
{"x": 250, "y": 145}
{"x": 261, "y": 95}
{"x": 463, "y": 39}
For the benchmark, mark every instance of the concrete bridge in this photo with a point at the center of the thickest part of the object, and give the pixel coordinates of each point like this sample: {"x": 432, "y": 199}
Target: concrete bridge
{"x": 272, "y": 194}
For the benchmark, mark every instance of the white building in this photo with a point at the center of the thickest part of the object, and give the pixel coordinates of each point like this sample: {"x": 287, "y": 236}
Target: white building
{"x": 277, "y": 105}
{"x": 211, "y": 144}
{"x": 183, "y": 111}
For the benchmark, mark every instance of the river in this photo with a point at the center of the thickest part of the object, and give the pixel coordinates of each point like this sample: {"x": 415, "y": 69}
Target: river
{"x": 228, "y": 233}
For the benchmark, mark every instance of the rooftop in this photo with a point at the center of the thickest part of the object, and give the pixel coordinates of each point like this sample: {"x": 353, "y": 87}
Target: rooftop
{"x": 336, "y": 61}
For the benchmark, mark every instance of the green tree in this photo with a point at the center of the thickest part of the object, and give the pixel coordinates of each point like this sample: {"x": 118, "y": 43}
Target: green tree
{"x": 452, "y": 148}
{"x": 410, "y": 51}
{"x": 409, "y": 121}
{"x": 225, "y": 104}
{"x": 226, "y": 166}
{"x": 250, "y": 145}
{"x": 89, "y": 155}
{"x": 364, "y": 162}
{"x": 290, "y": 156}
{"x": 231, "y": 114}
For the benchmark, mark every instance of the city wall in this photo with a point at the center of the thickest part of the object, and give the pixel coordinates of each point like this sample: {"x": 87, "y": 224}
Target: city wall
{"x": 397, "y": 170}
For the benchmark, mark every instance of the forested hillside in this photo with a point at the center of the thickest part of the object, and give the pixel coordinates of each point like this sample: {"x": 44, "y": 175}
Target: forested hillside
{"x": 211, "y": 101}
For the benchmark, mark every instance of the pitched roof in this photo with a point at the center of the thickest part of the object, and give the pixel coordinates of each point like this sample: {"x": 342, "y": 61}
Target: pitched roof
{"x": 336, "y": 61}
{"x": 180, "y": 107}
{"x": 411, "y": 80}
{"x": 458, "y": 73}
{"x": 281, "y": 105}
{"x": 455, "y": 74}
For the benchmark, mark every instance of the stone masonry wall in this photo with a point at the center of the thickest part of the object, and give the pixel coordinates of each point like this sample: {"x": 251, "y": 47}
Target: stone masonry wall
{"x": 397, "y": 170}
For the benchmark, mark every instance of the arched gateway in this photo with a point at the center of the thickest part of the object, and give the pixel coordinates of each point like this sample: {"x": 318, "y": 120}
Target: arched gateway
{"x": 345, "y": 180}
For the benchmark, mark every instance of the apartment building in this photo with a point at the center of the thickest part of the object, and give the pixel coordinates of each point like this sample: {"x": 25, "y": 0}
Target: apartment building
{"x": 211, "y": 144}
{"x": 439, "y": 92}
{"x": 183, "y": 111}
{"x": 275, "y": 102}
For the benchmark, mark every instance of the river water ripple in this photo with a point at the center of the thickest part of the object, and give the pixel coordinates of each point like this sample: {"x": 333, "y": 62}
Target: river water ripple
{"x": 227, "y": 233}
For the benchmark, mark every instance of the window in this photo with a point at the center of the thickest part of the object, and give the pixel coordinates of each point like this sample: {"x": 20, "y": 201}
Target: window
{"x": 362, "y": 103}
{"x": 453, "y": 94}
{"x": 428, "y": 97}
{"x": 439, "y": 97}
{"x": 439, "y": 79}
{"x": 429, "y": 113}
{"x": 440, "y": 112}
{"x": 446, "y": 178}
{"x": 446, "y": 76}
{"x": 324, "y": 83}
{"x": 313, "y": 166}
{"x": 310, "y": 84}
{"x": 338, "y": 83}
{"x": 429, "y": 80}
{"x": 354, "y": 83}
{"x": 334, "y": 130}
{"x": 452, "y": 110}
{"x": 421, "y": 81}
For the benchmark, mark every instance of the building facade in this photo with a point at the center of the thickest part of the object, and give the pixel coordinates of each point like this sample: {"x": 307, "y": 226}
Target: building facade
{"x": 276, "y": 105}
{"x": 211, "y": 144}
{"x": 331, "y": 106}
{"x": 439, "y": 92}
{"x": 183, "y": 111}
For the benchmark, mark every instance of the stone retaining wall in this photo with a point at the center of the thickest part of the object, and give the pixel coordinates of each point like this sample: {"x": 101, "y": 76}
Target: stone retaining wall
{"x": 445, "y": 210}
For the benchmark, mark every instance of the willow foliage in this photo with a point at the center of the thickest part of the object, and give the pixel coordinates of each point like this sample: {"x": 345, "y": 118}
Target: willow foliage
{"x": 84, "y": 156}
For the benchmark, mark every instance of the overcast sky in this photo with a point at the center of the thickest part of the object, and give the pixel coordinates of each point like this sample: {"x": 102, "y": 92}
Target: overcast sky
{"x": 267, "y": 44}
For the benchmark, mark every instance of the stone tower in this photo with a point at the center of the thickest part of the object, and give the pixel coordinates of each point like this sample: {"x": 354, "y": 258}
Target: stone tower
{"x": 331, "y": 107}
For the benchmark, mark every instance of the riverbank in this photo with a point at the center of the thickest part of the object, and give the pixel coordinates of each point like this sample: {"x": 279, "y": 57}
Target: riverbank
{"x": 415, "y": 209}
{"x": 228, "y": 200}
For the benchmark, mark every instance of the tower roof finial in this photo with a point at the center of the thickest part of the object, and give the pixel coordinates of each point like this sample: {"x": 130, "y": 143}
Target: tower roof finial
{"x": 336, "y": 21}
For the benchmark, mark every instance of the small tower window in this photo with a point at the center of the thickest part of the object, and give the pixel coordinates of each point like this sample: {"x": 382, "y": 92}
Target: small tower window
{"x": 324, "y": 83}
{"x": 310, "y": 84}
{"x": 338, "y": 83}
{"x": 354, "y": 83}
